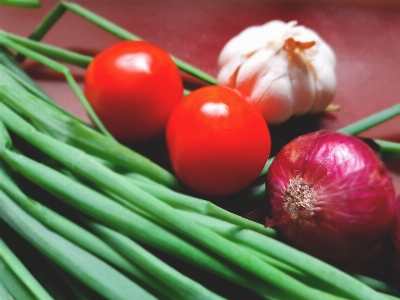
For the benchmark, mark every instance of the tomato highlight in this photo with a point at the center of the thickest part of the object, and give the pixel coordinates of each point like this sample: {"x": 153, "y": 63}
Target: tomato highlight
{"x": 218, "y": 143}
{"x": 133, "y": 86}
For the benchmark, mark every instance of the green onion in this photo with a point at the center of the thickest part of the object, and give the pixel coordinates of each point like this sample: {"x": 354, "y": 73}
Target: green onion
{"x": 22, "y": 3}
{"x": 184, "y": 287}
{"x": 371, "y": 121}
{"x": 101, "y": 208}
{"x": 75, "y": 233}
{"x": 388, "y": 150}
{"x": 8, "y": 61}
{"x": 378, "y": 285}
{"x": 52, "y": 52}
{"x": 203, "y": 207}
{"x": 81, "y": 163}
{"x": 4, "y": 293}
{"x": 14, "y": 286}
{"x": 78, "y": 289}
{"x": 288, "y": 255}
{"x": 22, "y": 272}
{"x": 89, "y": 269}
{"x": 167, "y": 277}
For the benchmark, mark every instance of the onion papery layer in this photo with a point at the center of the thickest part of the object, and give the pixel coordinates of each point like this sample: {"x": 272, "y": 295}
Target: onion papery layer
{"x": 330, "y": 195}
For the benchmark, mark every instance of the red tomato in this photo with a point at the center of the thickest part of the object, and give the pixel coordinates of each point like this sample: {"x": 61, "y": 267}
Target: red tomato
{"x": 218, "y": 143}
{"x": 133, "y": 87}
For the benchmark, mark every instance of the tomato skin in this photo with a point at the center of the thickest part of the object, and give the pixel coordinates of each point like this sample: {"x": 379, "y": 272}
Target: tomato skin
{"x": 218, "y": 143}
{"x": 133, "y": 86}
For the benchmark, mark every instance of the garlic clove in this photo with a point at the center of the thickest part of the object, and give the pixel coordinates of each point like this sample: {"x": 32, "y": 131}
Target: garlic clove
{"x": 257, "y": 60}
{"x": 302, "y": 84}
{"x": 227, "y": 74}
{"x": 276, "y": 106}
{"x": 250, "y": 40}
{"x": 254, "y": 68}
{"x": 325, "y": 77}
{"x": 261, "y": 78}
{"x": 264, "y": 82}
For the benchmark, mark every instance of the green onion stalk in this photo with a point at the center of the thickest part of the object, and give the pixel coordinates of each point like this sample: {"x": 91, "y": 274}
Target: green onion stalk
{"x": 8, "y": 61}
{"x": 4, "y": 294}
{"x": 11, "y": 286}
{"x": 116, "y": 216}
{"x": 82, "y": 164}
{"x": 17, "y": 279}
{"x": 135, "y": 226}
{"x": 78, "y": 290}
{"x": 139, "y": 228}
{"x": 190, "y": 229}
{"x": 88, "y": 268}
{"x": 278, "y": 254}
{"x": 21, "y": 3}
{"x": 170, "y": 282}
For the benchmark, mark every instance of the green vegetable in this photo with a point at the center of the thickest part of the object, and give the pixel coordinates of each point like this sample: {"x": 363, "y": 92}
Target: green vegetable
{"x": 88, "y": 268}
{"x": 371, "y": 121}
{"x": 388, "y": 150}
{"x": 101, "y": 208}
{"x": 9, "y": 259}
{"x": 4, "y": 293}
{"x": 71, "y": 231}
{"x": 83, "y": 165}
{"x": 12, "y": 284}
{"x": 180, "y": 286}
{"x": 307, "y": 264}
{"x": 21, "y": 3}
{"x": 189, "y": 203}
{"x": 7, "y": 60}
{"x": 378, "y": 285}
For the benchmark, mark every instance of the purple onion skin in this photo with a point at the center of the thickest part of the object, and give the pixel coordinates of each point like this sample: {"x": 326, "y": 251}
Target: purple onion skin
{"x": 340, "y": 202}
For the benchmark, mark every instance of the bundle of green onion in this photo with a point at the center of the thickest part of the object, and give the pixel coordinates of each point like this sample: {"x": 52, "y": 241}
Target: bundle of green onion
{"x": 100, "y": 213}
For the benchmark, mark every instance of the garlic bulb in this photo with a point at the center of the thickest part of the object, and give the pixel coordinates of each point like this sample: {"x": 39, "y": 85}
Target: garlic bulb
{"x": 284, "y": 68}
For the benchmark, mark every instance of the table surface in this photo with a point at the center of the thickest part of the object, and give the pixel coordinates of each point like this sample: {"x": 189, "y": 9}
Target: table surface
{"x": 364, "y": 35}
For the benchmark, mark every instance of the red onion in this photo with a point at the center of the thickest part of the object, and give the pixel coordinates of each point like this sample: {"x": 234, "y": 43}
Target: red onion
{"x": 330, "y": 195}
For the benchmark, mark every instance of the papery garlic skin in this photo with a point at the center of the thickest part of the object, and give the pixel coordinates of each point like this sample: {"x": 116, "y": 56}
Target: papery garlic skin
{"x": 275, "y": 66}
